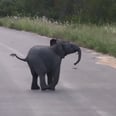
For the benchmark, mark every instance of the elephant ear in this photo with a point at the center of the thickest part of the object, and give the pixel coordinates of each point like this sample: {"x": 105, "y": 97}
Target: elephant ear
{"x": 59, "y": 49}
{"x": 53, "y": 42}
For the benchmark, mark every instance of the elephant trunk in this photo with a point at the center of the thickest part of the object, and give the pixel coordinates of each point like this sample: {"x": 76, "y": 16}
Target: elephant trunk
{"x": 79, "y": 56}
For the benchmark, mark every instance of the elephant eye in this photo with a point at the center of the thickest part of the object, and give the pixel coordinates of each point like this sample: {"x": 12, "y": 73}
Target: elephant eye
{"x": 71, "y": 45}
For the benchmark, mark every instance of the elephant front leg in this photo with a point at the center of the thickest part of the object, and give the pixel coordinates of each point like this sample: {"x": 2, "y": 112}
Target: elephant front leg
{"x": 55, "y": 79}
{"x": 49, "y": 79}
{"x": 43, "y": 83}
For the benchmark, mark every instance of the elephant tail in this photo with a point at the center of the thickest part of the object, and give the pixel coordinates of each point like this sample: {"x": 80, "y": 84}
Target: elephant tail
{"x": 14, "y": 55}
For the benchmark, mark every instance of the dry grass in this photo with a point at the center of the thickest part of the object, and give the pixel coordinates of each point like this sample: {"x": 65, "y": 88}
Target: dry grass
{"x": 99, "y": 38}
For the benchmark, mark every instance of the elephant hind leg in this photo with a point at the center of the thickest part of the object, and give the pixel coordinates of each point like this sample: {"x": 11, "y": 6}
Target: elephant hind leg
{"x": 34, "y": 85}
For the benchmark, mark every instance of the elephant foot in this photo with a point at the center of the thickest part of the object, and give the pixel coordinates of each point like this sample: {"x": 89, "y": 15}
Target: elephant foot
{"x": 35, "y": 88}
{"x": 52, "y": 88}
{"x": 44, "y": 88}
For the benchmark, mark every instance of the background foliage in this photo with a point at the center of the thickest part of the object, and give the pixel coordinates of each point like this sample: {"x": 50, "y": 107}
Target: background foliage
{"x": 82, "y": 11}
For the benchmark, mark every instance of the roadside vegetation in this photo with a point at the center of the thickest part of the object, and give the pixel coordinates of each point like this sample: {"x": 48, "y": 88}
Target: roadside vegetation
{"x": 89, "y": 23}
{"x": 100, "y": 38}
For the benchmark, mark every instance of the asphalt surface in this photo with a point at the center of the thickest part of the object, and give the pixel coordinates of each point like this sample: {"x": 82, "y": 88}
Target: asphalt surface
{"x": 88, "y": 89}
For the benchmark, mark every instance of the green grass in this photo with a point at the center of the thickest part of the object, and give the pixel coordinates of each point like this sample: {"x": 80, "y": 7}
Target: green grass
{"x": 99, "y": 38}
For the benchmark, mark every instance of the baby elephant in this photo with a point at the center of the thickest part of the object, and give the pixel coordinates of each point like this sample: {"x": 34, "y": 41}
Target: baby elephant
{"x": 47, "y": 60}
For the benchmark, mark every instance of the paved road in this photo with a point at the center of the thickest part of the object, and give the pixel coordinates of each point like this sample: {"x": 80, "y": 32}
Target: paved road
{"x": 88, "y": 89}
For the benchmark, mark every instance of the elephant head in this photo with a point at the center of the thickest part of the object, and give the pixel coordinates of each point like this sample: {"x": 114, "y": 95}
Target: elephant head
{"x": 63, "y": 48}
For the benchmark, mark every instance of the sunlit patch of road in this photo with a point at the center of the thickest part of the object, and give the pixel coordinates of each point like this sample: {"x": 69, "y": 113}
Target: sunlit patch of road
{"x": 107, "y": 60}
